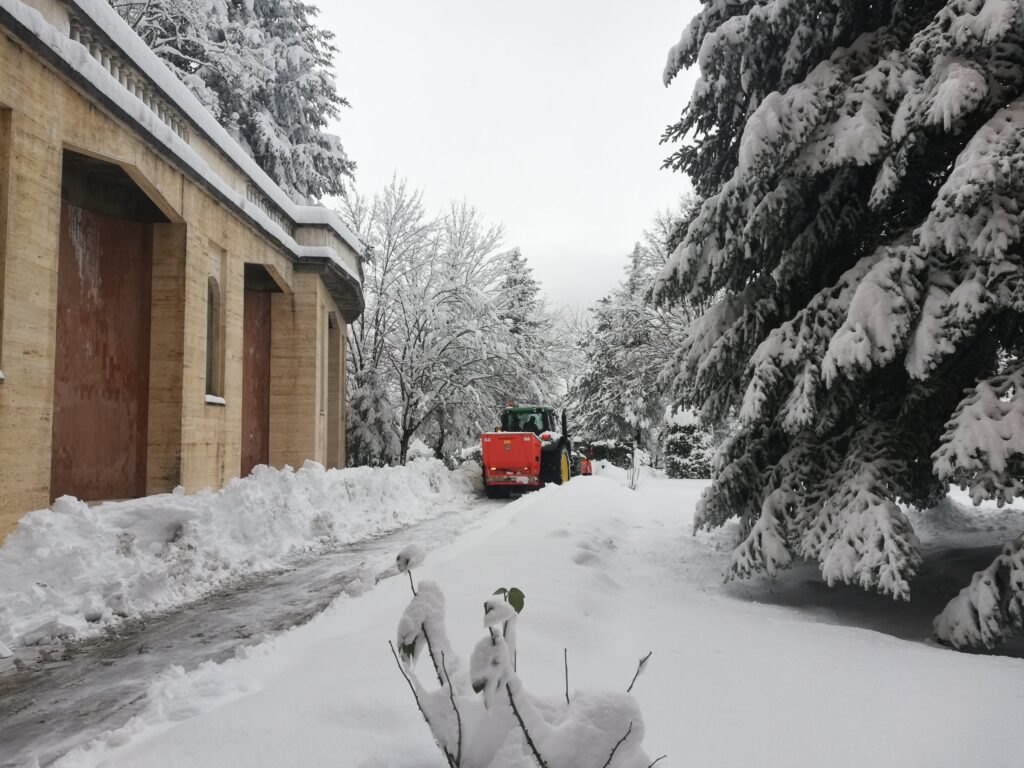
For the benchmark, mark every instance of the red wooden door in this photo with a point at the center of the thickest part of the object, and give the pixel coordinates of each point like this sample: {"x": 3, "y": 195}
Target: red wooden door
{"x": 101, "y": 375}
{"x": 256, "y": 381}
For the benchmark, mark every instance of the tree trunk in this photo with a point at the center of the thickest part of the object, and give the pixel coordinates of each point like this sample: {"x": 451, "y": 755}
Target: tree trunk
{"x": 403, "y": 447}
{"x": 442, "y": 435}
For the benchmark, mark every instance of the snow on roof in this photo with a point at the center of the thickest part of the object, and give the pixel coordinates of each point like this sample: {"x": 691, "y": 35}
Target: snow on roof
{"x": 106, "y": 20}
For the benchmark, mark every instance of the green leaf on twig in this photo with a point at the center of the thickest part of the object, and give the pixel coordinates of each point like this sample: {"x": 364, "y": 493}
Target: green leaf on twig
{"x": 516, "y": 599}
{"x": 513, "y": 597}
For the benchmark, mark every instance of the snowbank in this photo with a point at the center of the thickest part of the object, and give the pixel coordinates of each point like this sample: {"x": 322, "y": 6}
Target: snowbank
{"x": 70, "y": 570}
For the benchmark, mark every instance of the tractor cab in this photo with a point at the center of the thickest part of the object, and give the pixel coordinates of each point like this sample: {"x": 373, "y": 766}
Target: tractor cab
{"x": 530, "y": 418}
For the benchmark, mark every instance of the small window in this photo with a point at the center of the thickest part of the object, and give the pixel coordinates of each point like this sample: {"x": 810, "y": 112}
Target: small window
{"x": 214, "y": 339}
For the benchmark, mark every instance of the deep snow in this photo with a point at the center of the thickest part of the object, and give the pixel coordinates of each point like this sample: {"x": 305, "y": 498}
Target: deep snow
{"x": 609, "y": 574}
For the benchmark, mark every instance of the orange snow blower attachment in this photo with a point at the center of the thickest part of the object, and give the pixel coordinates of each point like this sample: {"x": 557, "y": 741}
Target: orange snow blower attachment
{"x": 511, "y": 459}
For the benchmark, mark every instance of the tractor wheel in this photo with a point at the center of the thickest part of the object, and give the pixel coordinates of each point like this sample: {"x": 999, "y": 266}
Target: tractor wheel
{"x": 495, "y": 491}
{"x": 564, "y": 472}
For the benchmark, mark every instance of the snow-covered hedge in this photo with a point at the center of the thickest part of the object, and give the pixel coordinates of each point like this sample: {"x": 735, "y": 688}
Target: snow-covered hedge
{"x": 72, "y": 569}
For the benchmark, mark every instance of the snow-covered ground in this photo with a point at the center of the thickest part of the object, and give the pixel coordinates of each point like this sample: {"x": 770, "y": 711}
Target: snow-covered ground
{"x": 71, "y": 570}
{"x": 608, "y": 574}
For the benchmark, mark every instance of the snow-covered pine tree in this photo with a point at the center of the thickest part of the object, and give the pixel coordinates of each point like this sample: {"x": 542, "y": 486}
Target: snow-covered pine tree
{"x": 615, "y": 394}
{"x": 689, "y": 446}
{"x": 519, "y": 294}
{"x": 263, "y": 67}
{"x": 860, "y": 165}
{"x": 533, "y": 330}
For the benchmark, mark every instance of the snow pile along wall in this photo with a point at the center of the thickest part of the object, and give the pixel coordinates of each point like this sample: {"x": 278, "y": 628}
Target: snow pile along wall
{"x": 69, "y": 570}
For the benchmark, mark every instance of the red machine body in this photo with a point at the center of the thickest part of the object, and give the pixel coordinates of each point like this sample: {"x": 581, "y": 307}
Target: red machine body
{"x": 511, "y": 459}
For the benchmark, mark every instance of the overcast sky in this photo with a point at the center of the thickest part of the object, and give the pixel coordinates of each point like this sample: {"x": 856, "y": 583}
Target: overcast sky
{"x": 545, "y": 115}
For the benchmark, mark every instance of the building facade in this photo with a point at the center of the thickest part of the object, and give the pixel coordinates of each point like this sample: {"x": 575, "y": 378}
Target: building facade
{"x": 167, "y": 315}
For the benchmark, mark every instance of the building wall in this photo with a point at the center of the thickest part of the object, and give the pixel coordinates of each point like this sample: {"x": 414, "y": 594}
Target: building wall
{"x": 190, "y": 442}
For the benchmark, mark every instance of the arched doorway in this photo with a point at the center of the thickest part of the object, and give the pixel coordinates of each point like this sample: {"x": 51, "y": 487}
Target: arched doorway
{"x": 102, "y": 360}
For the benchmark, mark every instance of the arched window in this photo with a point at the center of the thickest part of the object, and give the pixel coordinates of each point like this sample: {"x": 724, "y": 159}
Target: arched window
{"x": 214, "y": 339}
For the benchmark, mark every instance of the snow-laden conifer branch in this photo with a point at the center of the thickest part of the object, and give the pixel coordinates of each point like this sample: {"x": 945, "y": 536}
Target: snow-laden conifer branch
{"x": 982, "y": 449}
{"x": 991, "y": 608}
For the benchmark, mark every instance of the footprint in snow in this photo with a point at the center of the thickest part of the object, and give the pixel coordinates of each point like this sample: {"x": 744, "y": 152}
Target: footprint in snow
{"x": 586, "y": 557}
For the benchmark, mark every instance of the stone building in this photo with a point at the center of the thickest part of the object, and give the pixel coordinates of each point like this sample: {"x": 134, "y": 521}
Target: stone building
{"x": 168, "y": 316}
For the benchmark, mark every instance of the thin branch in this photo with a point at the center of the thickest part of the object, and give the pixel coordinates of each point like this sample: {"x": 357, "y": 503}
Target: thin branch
{"x": 522, "y": 725}
{"x": 433, "y": 659}
{"x": 419, "y": 706}
{"x": 618, "y": 744}
{"x": 639, "y": 667}
{"x": 458, "y": 717}
{"x": 411, "y": 585}
{"x": 565, "y": 658}
{"x": 657, "y": 760}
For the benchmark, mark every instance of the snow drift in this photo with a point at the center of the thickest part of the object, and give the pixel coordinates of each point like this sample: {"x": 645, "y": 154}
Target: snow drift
{"x": 72, "y": 569}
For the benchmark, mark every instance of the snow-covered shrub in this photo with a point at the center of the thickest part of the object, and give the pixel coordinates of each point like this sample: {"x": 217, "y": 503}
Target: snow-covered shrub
{"x": 616, "y": 452}
{"x": 689, "y": 447}
{"x": 372, "y": 438}
{"x": 633, "y": 473}
{"x": 481, "y": 716}
{"x": 419, "y": 450}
